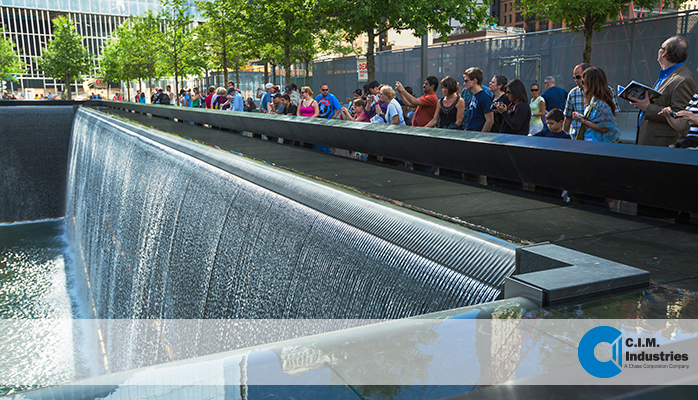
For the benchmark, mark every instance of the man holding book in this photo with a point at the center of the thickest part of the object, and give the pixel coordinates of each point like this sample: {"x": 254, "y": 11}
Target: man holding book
{"x": 677, "y": 86}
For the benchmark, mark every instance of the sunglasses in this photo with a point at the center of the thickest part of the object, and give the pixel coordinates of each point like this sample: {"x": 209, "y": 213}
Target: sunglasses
{"x": 577, "y": 77}
{"x": 534, "y": 90}
{"x": 324, "y": 90}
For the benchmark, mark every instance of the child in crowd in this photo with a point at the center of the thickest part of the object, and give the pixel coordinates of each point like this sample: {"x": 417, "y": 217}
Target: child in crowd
{"x": 554, "y": 120}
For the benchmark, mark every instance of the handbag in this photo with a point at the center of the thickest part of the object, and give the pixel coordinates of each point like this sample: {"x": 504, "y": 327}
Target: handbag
{"x": 583, "y": 128}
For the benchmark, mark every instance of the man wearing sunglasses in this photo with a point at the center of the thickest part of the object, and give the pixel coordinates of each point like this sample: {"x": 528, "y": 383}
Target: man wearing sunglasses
{"x": 677, "y": 85}
{"x": 575, "y": 101}
{"x": 328, "y": 103}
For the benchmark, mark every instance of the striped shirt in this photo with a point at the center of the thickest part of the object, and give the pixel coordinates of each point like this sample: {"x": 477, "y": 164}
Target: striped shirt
{"x": 693, "y": 107}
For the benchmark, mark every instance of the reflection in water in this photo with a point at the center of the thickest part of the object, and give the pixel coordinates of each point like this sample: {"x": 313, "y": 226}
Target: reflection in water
{"x": 35, "y": 308}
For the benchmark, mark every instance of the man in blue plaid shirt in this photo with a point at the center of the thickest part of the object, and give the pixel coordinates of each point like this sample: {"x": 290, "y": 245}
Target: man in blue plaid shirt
{"x": 575, "y": 101}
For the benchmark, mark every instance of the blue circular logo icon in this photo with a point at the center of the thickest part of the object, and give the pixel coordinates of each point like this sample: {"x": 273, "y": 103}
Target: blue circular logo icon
{"x": 591, "y": 364}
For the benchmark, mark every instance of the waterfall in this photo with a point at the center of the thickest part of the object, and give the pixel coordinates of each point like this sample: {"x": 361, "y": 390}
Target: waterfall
{"x": 166, "y": 228}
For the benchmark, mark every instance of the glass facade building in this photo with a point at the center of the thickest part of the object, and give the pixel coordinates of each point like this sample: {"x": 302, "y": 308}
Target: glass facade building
{"x": 27, "y": 23}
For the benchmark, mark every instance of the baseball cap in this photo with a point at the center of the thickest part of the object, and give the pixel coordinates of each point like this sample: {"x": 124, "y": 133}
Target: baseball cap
{"x": 268, "y": 86}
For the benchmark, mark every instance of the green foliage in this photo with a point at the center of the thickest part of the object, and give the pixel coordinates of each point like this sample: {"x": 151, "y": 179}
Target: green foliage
{"x": 65, "y": 58}
{"x": 319, "y": 43}
{"x": 283, "y": 26}
{"x": 224, "y": 34}
{"x": 9, "y": 60}
{"x": 139, "y": 36}
{"x": 175, "y": 40}
{"x": 422, "y": 16}
{"x": 583, "y": 15}
{"x": 131, "y": 53}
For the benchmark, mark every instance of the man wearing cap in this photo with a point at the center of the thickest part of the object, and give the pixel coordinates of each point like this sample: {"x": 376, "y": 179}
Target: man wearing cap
{"x": 328, "y": 103}
{"x": 275, "y": 107}
{"x": 266, "y": 97}
{"x": 238, "y": 103}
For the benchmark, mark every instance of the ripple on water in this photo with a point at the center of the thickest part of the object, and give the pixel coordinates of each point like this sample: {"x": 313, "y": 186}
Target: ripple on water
{"x": 37, "y": 341}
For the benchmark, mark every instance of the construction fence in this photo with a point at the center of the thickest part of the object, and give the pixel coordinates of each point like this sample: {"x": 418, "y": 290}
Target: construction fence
{"x": 626, "y": 50}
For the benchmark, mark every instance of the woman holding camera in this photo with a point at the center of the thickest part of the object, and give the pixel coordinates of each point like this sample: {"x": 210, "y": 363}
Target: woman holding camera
{"x": 516, "y": 116}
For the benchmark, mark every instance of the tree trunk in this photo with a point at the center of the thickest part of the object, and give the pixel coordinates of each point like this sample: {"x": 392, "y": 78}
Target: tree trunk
{"x": 273, "y": 73}
{"x": 225, "y": 68}
{"x": 287, "y": 64}
{"x": 266, "y": 73}
{"x": 128, "y": 89}
{"x": 237, "y": 72}
{"x": 176, "y": 82}
{"x": 588, "y": 31}
{"x": 67, "y": 84}
{"x": 307, "y": 73}
{"x": 370, "y": 56}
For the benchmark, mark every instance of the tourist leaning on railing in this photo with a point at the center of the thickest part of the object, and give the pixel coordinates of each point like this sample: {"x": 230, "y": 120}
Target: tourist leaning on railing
{"x": 598, "y": 124}
{"x": 448, "y": 116}
{"x": 308, "y": 107}
{"x": 517, "y": 115}
{"x": 359, "y": 112}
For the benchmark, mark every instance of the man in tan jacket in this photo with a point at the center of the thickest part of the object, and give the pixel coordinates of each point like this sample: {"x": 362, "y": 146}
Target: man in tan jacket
{"x": 677, "y": 85}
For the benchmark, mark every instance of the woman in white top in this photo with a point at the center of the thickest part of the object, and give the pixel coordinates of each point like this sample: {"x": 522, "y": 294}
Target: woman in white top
{"x": 393, "y": 114}
{"x": 537, "y": 110}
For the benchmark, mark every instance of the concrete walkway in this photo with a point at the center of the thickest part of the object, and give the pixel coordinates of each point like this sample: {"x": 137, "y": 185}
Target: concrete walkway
{"x": 666, "y": 249}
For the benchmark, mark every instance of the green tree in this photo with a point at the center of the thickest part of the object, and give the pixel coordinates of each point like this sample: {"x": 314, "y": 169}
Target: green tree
{"x": 583, "y": 15}
{"x": 9, "y": 60}
{"x": 114, "y": 61}
{"x": 139, "y": 36}
{"x": 176, "y": 48}
{"x": 224, "y": 34}
{"x": 283, "y": 25}
{"x": 422, "y": 16}
{"x": 322, "y": 42}
{"x": 65, "y": 57}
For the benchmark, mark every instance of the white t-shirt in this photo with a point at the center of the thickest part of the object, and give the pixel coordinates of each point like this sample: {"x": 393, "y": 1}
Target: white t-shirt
{"x": 394, "y": 109}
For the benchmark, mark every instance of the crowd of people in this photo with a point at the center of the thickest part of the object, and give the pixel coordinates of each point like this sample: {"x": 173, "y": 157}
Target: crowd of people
{"x": 498, "y": 104}
{"x": 587, "y": 112}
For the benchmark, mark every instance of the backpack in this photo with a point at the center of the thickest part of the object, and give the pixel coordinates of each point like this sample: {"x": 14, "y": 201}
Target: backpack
{"x": 163, "y": 98}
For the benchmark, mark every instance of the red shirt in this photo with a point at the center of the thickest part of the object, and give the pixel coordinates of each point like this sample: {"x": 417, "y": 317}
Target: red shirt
{"x": 208, "y": 100}
{"x": 426, "y": 111}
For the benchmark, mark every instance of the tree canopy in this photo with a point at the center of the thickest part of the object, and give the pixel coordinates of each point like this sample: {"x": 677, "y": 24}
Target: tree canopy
{"x": 176, "y": 43}
{"x": 422, "y": 16}
{"x": 65, "y": 57}
{"x": 10, "y": 63}
{"x": 224, "y": 34}
{"x": 583, "y": 15}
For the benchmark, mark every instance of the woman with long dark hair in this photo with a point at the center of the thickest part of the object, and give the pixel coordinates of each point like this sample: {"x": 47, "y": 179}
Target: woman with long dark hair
{"x": 450, "y": 109}
{"x": 599, "y": 120}
{"x": 516, "y": 116}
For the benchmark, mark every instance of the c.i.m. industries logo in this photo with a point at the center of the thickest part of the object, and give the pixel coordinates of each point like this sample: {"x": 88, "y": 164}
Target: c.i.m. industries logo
{"x": 599, "y": 369}
{"x": 614, "y": 366}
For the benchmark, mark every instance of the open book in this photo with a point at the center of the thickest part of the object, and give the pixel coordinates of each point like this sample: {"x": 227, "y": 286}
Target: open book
{"x": 637, "y": 90}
